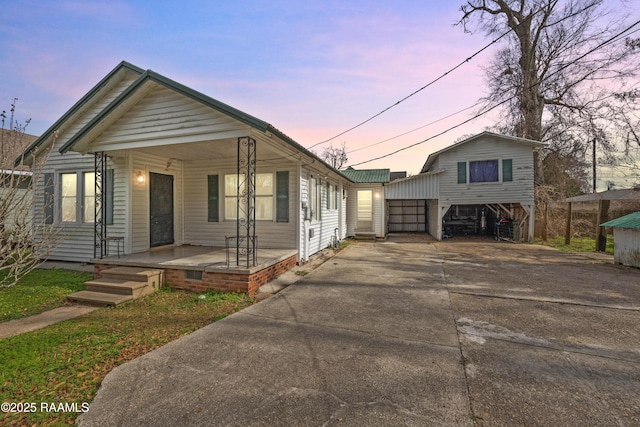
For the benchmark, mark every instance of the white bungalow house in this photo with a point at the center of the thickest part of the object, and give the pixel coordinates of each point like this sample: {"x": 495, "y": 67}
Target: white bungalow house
{"x": 481, "y": 185}
{"x": 142, "y": 163}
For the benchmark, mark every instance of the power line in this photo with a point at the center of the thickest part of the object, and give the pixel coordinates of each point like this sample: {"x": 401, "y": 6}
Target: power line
{"x": 482, "y": 113}
{"x": 414, "y": 130}
{"x": 414, "y": 92}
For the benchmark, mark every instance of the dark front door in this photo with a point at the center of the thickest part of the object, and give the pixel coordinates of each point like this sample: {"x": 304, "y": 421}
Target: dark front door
{"x": 160, "y": 209}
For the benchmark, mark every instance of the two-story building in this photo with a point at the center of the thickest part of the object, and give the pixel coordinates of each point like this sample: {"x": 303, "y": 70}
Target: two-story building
{"x": 481, "y": 185}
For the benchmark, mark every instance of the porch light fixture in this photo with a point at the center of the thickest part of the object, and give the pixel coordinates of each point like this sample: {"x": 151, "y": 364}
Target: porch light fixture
{"x": 377, "y": 195}
{"x": 140, "y": 178}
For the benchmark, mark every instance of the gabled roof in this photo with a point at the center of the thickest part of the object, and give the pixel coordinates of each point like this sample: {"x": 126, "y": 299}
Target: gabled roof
{"x": 628, "y": 221}
{"x": 47, "y": 136}
{"x": 369, "y": 176}
{"x": 433, "y": 156}
{"x": 150, "y": 76}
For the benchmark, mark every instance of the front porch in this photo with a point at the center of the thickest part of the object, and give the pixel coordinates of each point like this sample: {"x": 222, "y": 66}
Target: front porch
{"x": 202, "y": 268}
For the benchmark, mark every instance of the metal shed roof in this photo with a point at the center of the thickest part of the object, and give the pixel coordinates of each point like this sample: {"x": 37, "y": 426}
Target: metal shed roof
{"x": 368, "y": 176}
{"x": 629, "y": 194}
{"x": 628, "y": 221}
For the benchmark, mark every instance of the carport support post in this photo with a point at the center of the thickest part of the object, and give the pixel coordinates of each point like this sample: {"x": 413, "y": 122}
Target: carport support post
{"x": 601, "y": 232}
{"x": 567, "y": 230}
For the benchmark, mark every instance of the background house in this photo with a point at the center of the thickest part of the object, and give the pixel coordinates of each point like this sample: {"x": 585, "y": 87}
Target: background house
{"x": 15, "y": 182}
{"x": 470, "y": 186}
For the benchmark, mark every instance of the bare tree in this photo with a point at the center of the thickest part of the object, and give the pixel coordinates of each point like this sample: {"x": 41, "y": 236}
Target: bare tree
{"x": 556, "y": 71}
{"x": 19, "y": 251}
{"x": 335, "y": 156}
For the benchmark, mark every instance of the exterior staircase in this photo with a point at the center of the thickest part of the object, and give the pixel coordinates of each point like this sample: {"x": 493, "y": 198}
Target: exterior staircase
{"x": 118, "y": 285}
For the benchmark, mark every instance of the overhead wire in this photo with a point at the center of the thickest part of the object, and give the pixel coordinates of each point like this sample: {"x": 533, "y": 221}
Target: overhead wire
{"x": 415, "y": 129}
{"x": 402, "y": 100}
{"x": 414, "y": 92}
{"x": 482, "y": 113}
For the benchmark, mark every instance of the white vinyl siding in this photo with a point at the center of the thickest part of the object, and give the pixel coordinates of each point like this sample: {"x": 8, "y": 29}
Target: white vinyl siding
{"x": 519, "y": 190}
{"x": 321, "y": 230}
{"x": 418, "y": 187}
{"x": 75, "y": 240}
{"x": 199, "y": 231}
{"x": 165, "y": 117}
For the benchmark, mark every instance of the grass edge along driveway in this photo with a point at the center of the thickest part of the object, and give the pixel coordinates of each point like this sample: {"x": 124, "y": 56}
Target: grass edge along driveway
{"x": 66, "y": 362}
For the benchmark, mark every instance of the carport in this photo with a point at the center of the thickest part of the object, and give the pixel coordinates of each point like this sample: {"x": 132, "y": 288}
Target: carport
{"x": 410, "y": 202}
{"x": 508, "y": 221}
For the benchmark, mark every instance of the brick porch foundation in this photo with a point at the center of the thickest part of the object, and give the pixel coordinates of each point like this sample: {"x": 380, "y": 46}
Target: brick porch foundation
{"x": 220, "y": 280}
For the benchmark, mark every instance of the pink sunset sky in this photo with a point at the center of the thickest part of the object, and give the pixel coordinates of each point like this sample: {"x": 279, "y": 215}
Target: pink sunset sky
{"x": 311, "y": 69}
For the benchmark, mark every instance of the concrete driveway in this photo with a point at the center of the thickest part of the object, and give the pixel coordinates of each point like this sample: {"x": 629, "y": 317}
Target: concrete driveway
{"x": 548, "y": 338}
{"x": 406, "y": 332}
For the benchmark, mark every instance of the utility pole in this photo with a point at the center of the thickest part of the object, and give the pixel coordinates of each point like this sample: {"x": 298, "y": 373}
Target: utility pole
{"x": 594, "y": 165}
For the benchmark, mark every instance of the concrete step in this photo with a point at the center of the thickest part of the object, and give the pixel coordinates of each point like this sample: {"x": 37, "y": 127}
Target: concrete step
{"x": 365, "y": 236}
{"x": 154, "y": 277}
{"x": 98, "y": 298}
{"x": 118, "y": 287}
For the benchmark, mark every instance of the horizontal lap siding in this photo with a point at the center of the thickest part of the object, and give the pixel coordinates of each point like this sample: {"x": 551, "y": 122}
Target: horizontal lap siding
{"x": 198, "y": 231}
{"x": 378, "y": 213}
{"x": 165, "y": 115}
{"x": 520, "y": 190}
{"x": 325, "y": 229}
{"x": 417, "y": 187}
{"x": 75, "y": 242}
{"x": 303, "y": 183}
{"x": 352, "y": 210}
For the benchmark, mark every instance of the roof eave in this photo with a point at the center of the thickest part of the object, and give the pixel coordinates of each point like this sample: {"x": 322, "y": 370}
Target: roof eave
{"x": 433, "y": 156}
{"x": 51, "y": 131}
{"x": 239, "y": 115}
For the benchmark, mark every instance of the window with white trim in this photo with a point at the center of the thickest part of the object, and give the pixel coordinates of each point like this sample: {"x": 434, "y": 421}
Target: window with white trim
{"x": 264, "y": 196}
{"x": 315, "y": 198}
{"x": 485, "y": 171}
{"x": 77, "y": 197}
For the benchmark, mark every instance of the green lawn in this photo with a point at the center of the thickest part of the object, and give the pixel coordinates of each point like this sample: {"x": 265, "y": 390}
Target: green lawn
{"x": 582, "y": 244}
{"x": 38, "y": 291}
{"x": 66, "y": 362}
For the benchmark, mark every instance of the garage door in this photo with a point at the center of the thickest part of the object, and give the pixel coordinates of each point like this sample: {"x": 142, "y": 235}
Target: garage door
{"x": 407, "y": 215}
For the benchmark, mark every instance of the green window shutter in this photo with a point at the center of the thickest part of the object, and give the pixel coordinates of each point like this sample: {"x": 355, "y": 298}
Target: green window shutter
{"x": 462, "y": 172}
{"x": 319, "y": 201}
{"x": 108, "y": 197}
{"x": 507, "y": 170}
{"x": 212, "y": 198}
{"x": 328, "y": 197}
{"x": 282, "y": 196}
{"x": 48, "y": 198}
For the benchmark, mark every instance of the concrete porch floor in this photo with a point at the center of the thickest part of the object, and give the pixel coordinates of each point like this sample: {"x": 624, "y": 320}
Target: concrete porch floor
{"x": 201, "y": 258}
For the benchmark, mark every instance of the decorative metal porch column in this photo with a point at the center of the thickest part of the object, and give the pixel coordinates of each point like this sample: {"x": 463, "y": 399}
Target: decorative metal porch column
{"x": 246, "y": 199}
{"x": 100, "y": 223}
